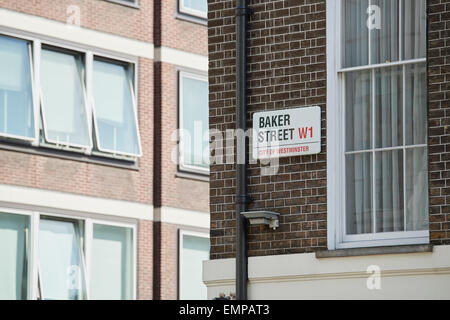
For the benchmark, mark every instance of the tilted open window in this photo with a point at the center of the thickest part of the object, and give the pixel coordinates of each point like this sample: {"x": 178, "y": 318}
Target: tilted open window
{"x": 66, "y": 99}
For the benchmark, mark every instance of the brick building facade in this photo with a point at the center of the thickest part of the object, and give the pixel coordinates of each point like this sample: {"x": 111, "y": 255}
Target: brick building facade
{"x": 149, "y": 194}
{"x": 303, "y": 53}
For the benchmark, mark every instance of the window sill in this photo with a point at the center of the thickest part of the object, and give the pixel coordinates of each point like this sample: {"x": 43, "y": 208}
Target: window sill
{"x": 373, "y": 251}
{"x": 192, "y": 176}
{"x": 125, "y": 3}
{"x": 67, "y": 155}
{"x": 190, "y": 18}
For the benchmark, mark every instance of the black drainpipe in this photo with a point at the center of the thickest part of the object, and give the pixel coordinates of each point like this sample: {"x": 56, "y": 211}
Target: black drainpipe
{"x": 241, "y": 170}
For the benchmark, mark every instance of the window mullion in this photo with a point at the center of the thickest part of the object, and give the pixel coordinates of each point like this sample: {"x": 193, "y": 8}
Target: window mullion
{"x": 374, "y": 220}
{"x": 36, "y": 85}
{"x": 89, "y": 99}
{"x": 404, "y": 144}
{"x": 34, "y": 256}
{"x": 88, "y": 232}
{"x": 342, "y": 220}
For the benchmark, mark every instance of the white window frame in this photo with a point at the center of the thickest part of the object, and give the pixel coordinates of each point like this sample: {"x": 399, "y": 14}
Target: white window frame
{"x": 336, "y": 237}
{"x": 181, "y": 234}
{"x": 189, "y": 11}
{"x": 69, "y": 145}
{"x": 33, "y": 139}
{"x": 135, "y": 111}
{"x": 33, "y": 258}
{"x": 88, "y": 53}
{"x": 182, "y": 166}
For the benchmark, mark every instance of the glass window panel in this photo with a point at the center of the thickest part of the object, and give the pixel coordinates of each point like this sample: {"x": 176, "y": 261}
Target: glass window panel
{"x": 358, "y": 111}
{"x": 114, "y": 109}
{"x": 64, "y": 110}
{"x": 356, "y": 33}
{"x": 13, "y": 256}
{"x": 112, "y": 263}
{"x": 416, "y": 104}
{"x": 414, "y": 29}
{"x": 195, "y": 122}
{"x": 61, "y": 267}
{"x": 385, "y": 37}
{"x": 388, "y": 107}
{"x": 358, "y": 191}
{"x": 197, "y": 5}
{"x": 16, "y": 99}
{"x": 416, "y": 189}
{"x": 195, "y": 250}
{"x": 389, "y": 191}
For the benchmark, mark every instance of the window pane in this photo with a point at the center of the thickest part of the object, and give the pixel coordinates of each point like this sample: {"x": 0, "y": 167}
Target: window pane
{"x": 61, "y": 267}
{"x": 197, "y": 5}
{"x": 195, "y": 122}
{"x": 415, "y": 28}
{"x": 416, "y": 189}
{"x": 388, "y": 107}
{"x": 389, "y": 191}
{"x": 356, "y": 33}
{"x": 13, "y": 256}
{"x": 195, "y": 250}
{"x": 112, "y": 263}
{"x": 358, "y": 111}
{"x": 114, "y": 109}
{"x": 385, "y": 36}
{"x": 16, "y": 99}
{"x": 359, "y": 193}
{"x": 65, "y": 119}
{"x": 416, "y": 104}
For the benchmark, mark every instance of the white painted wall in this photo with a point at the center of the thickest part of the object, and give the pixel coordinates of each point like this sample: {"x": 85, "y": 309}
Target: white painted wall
{"x": 303, "y": 276}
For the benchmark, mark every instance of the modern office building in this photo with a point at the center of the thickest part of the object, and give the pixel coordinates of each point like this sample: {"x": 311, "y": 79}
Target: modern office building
{"x": 103, "y": 183}
{"x": 366, "y": 216}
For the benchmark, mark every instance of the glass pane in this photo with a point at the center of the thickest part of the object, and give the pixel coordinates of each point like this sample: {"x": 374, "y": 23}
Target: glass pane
{"x": 358, "y": 191}
{"x": 61, "y": 267}
{"x": 16, "y": 99}
{"x": 389, "y": 191}
{"x": 65, "y": 119}
{"x": 416, "y": 104}
{"x": 112, "y": 263}
{"x": 13, "y": 256}
{"x": 415, "y": 28}
{"x": 356, "y": 33}
{"x": 195, "y": 122}
{"x": 195, "y": 251}
{"x": 198, "y": 5}
{"x": 114, "y": 110}
{"x": 384, "y": 34}
{"x": 388, "y": 107}
{"x": 358, "y": 111}
{"x": 416, "y": 189}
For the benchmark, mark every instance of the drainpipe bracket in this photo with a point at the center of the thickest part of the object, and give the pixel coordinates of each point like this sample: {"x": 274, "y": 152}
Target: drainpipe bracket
{"x": 244, "y": 199}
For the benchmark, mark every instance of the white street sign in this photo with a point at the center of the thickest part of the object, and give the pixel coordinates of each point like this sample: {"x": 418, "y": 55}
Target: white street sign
{"x": 286, "y": 133}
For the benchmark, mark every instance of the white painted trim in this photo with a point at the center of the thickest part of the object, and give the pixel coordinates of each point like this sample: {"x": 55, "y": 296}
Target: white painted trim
{"x": 11, "y": 21}
{"x": 401, "y": 276}
{"x": 181, "y": 58}
{"x": 182, "y": 217}
{"x": 32, "y": 198}
{"x": 333, "y": 102}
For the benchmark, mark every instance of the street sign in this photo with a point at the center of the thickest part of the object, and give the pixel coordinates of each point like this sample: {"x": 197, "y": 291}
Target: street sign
{"x": 286, "y": 133}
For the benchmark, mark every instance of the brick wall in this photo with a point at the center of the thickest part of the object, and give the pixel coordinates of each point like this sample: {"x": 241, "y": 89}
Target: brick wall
{"x": 286, "y": 69}
{"x": 439, "y": 119}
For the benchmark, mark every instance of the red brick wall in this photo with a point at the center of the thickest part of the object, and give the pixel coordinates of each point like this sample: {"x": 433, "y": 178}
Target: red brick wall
{"x": 439, "y": 119}
{"x": 145, "y": 261}
{"x": 181, "y": 34}
{"x": 95, "y": 14}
